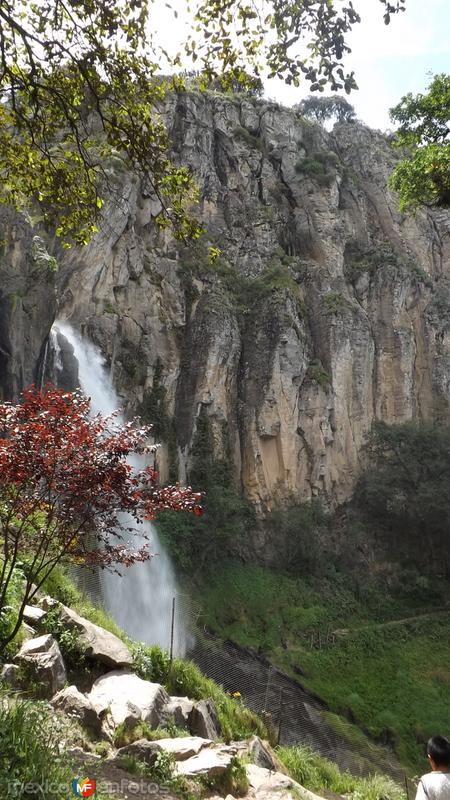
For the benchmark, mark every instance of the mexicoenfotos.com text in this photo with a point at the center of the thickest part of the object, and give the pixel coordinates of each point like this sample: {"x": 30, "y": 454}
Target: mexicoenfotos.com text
{"x": 42, "y": 790}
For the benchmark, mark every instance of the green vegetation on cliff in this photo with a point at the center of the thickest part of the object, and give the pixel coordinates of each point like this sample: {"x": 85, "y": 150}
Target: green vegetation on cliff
{"x": 356, "y": 602}
{"x": 385, "y": 672}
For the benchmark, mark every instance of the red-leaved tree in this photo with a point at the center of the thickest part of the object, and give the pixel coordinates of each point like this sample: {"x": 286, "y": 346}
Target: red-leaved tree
{"x": 68, "y": 492}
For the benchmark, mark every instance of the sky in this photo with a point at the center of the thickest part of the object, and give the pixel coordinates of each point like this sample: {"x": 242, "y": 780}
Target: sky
{"x": 388, "y": 61}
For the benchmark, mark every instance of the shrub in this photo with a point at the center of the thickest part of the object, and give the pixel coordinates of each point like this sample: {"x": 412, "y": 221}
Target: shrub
{"x": 8, "y": 614}
{"x": 320, "y": 166}
{"x": 151, "y": 662}
{"x": 245, "y": 136}
{"x": 370, "y": 260}
{"x": 318, "y": 373}
{"x": 233, "y": 781}
{"x": 68, "y": 639}
{"x": 124, "y": 735}
{"x": 298, "y": 530}
{"x": 60, "y": 586}
{"x": 335, "y": 303}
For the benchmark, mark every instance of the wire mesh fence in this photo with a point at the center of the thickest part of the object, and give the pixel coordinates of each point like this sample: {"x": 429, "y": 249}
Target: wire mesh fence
{"x": 295, "y": 714}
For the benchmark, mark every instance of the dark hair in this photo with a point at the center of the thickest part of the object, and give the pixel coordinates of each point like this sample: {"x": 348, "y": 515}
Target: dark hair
{"x": 438, "y": 748}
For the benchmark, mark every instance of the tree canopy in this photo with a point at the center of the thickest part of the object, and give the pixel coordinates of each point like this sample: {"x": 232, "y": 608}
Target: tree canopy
{"x": 326, "y": 108}
{"x": 405, "y": 488}
{"x": 65, "y": 484}
{"x": 81, "y": 84}
{"x": 423, "y": 176}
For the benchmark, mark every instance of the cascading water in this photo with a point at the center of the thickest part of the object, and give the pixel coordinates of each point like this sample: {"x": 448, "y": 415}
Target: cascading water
{"x": 141, "y": 598}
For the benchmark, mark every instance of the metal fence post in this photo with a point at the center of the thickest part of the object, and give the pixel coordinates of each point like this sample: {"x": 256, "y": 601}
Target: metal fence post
{"x": 266, "y": 696}
{"x": 406, "y": 785}
{"x": 172, "y": 627}
{"x": 280, "y": 717}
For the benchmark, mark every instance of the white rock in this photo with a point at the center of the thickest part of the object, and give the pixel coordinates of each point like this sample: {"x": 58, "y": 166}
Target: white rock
{"x": 184, "y": 747}
{"x": 261, "y": 778}
{"x": 33, "y": 614}
{"x": 44, "y": 661}
{"x": 211, "y": 761}
{"x": 268, "y": 785}
{"x": 98, "y": 644}
{"x": 203, "y": 720}
{"x": 123, "y": 697}
{"x": 180, "y": 708}
{"x": 41, "y": 644}
{"x": 10, "y": 674}
{"x": 77, "y": 705}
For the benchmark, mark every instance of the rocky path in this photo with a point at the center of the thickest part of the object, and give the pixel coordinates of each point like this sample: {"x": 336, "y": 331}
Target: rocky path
{"x": 194, "y": 757}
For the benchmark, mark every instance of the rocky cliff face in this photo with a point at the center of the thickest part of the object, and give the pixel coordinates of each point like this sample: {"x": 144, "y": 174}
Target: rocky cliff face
{"x": 27, "y": 303}
{"x": 326, "y": 310}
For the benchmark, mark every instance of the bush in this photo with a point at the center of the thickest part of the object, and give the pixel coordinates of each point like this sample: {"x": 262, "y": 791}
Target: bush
{"x": 124, "y": 735}
{"x": 320, "y": 166}
{"x": 335, "y": 303}
{"x": 68, "y": 639}
{"x": 9, "y": 612}
{"x": 405, "y": 490}
{"x": 151, "y": 662}
{"x": 298, "y": 530}
{"x": 244, "y": 135}
{"x": 233, "y": 781}
{"x": 318, "y": 374}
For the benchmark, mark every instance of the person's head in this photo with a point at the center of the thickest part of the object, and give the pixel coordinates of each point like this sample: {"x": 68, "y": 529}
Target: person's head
{"x": 438, "y": 751}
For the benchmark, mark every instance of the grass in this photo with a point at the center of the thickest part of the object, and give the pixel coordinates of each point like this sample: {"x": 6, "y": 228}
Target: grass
{"x": 30, "y": 734}
{"x": 317, "y": 773}
{"x": 394, "y": 682}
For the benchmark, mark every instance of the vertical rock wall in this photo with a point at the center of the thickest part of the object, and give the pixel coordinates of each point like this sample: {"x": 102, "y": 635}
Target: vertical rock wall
{"x": 326, "y": 310}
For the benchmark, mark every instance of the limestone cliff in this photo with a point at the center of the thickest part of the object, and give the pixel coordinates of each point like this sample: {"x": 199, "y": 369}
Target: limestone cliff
{"x": 27, "y": 302}
{"x": 326, "y": 309}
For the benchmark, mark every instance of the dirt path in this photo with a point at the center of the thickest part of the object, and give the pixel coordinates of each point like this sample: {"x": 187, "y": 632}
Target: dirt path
{"x": 394, "y": 623}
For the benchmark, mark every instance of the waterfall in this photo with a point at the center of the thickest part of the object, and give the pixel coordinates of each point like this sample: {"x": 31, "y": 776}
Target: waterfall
{"x": 51, "y": 364}
{"x": 140, "y": 598}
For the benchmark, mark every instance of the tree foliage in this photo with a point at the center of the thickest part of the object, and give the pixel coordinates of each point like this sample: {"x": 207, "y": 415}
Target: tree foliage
{"x": 299, "y": 39}
{"x": 326, "y": 108}
{"x": 64, "y": 484}
{"x": 423, "y": 177}
{"x": 80, "y": 84}
{"x": 405, "y": 488}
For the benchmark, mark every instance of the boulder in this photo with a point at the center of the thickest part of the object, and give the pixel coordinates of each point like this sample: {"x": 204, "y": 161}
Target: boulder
{"x": 78, "y": 706}
{"x": 33, "y": 615}
{"x": 180, "y": 708}
{"x": 268, "y": 785}
{"x": 47, "y": 603}
{"x": 203, "y": 720}
{"x": 98, "y": 644}
{"x": 184, "y": 747}
{"x": 44, "y": 663}
{"x": 210, "y": 761}
{"x": 124, "y": 698}
{"x": 142, "y": 750}
{"x": 263, "y": 755}
{"x": 261, "y": 779}
{"x": 10, "y": 675}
